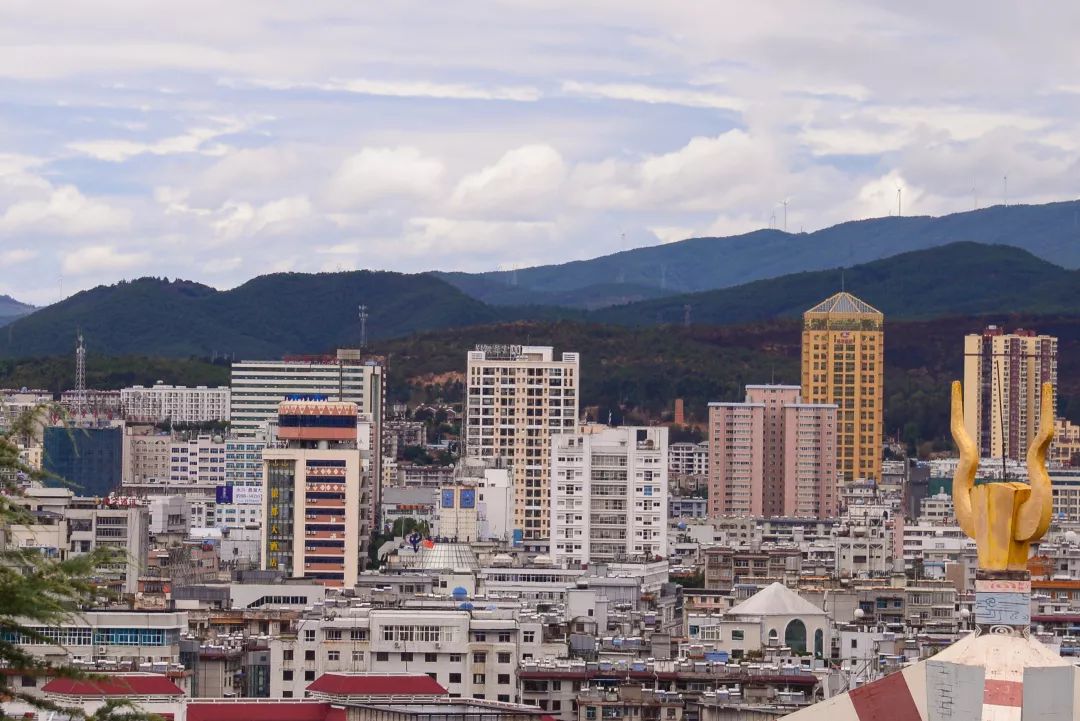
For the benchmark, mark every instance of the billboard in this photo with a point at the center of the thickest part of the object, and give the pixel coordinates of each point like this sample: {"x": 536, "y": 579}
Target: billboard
{"x": 467, "y": 498}
{"x": 448, "y": 498}
{"x": 240, "y": 495}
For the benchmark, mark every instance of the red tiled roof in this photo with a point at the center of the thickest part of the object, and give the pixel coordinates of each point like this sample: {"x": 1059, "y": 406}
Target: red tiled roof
{"x": 350, "y": 684}
{"x": 211, "y": 710}
{"x": 115, "y": 685}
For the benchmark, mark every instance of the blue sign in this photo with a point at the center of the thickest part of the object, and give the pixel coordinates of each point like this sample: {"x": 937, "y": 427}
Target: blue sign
{"x": 519, "y": 537}
{"x": 305, "y": 396}
{"x": 716, "y": 656}
{"x": 468, "y": 498}
{"x": 223, "y": 494}
{"x": 448, "y": 498}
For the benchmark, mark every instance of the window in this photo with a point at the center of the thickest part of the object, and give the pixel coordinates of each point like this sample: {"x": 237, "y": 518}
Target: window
{"x": 455, "y": 658}
{"x": 479, "y": 678}
{"x": 736, "y": 635}
{"x": 481, "y": 637}
{"x": 431, "y": 658}
{"x": 505, "y": 637}
{"x": 309, "y": 634}
{"x": 433, "y": 676}
{"x": 333, "y": 634}
{"x": 382, "y": 656}
{"x": 505, "y": 698}
{"x": 504, "y": 679}
{"x": 333, "y": 655}
{"x": 286, "y": 694}
{"x": 504, "y": 657}
{"x": 287, "y": 654}
{"x": 406, "y": 656}
{"x": 529, "y": 637}
{"x": 479, "y": 657}
{"x": 309, "y": 675}
{"x": 358, "y": 634}
{"x": 455, "y": 678}
{"x": 309, "y": 655}
{"x": 358, "y": 656}
{"x": 854, "y": 643}
{"x": 286, "y": 675}
{"x": 28, "y": 681}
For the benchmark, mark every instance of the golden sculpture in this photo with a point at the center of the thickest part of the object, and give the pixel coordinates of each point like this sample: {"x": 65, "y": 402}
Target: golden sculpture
{"x": 1003, "y": 518}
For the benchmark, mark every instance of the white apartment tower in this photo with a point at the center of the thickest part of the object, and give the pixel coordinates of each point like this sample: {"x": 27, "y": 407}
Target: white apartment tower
{"x": 518, "y": 396}
{"x": 177, "y": 404}
{"x": 259, "y": 386}
{"x": 609, "y": 494}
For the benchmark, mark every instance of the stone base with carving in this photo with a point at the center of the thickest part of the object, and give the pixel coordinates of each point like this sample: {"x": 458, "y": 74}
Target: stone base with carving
{"x": 1002, "y": 602}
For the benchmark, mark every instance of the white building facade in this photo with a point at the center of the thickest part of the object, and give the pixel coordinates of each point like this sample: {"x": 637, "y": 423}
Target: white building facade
{"x": 609, "y": 494}
{"x": 176, "y": 404}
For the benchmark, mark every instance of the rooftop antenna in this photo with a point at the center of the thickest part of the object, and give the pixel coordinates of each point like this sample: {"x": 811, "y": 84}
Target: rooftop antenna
{"x": 898, "y": 191}
{"x": 785, "y": 202}
{"x": 772, "y": 219}
{"x": 80, "y": 375}
{"x": 363, "y": 326}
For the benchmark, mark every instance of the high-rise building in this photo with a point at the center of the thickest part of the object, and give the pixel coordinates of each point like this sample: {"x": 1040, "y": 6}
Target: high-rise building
{"x": 257, "y": 387}
{"x": 1003, "y": 377}
{"x": 843, "y": 362}
{"x": 773, "y": 455}
{"x": 90, "y": 460}
{"x": 316, "y": 492}
{"x": 609, "y": 494}
{"x": 518, "y": 396}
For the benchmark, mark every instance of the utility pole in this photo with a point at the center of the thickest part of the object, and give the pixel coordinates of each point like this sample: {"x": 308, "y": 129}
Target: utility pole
{"x": 80, "y": 376}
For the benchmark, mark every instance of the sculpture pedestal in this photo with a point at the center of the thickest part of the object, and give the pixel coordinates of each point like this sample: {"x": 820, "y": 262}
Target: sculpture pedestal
{"x": 1002, "y": 602}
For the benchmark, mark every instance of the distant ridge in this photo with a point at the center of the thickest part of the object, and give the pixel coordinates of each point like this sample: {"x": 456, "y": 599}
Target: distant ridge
{"x": 1050, "y": 232}
{"x": 300, "y": 313}
{"x": 10, "y": 309}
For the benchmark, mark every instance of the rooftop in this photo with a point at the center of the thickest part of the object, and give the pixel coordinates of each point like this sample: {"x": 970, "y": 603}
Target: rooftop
{"x": 844, "y": 302}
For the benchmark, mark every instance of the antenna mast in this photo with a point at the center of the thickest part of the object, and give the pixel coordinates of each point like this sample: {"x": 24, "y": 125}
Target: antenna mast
{"x": 363, "y": 326}
{"x": 80, "y": 376}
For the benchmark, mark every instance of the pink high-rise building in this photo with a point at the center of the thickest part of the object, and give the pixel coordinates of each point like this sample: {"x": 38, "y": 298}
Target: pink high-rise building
{"x": 772, "y": 455}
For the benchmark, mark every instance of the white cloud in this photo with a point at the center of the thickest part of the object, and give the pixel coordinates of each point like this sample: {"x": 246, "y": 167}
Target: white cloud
{"x": 524, "y": 181}
{"x": 195, "y": 140}
{"x": 277, "y": 217}
{"x": 381, "y": 173}
{"x": 15, "y": 256}
{"x": 636, "y": 92}
{"x": 63, "y": 210}
{"x": 408, "y": 89}
{"x": 101, "y": 258}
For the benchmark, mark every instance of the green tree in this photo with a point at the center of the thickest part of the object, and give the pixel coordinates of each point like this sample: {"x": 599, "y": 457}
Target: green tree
{"x": 37, "y": 591}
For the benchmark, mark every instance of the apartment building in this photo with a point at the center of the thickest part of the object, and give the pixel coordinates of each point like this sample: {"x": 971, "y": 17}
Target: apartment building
{"x": 609, "y": 494}
{"x": 689, "y": 459}
{"x": 317, "y": 494}
{"x": 178, "y": 405}
{"x": 471, "y": 654}
{"x": 66, "y": 525}
{"x": 200, "y": 459}
{"x": 517, "y": 397}
{"x": 773, "y": 455}
{"x": 843, "y": 363}
{"x": 1003, "y": 377}
{"x": 146, "y": 457}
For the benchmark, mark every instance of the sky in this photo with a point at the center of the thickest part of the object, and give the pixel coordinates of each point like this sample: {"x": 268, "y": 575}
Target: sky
{"x": 218, "y": 141}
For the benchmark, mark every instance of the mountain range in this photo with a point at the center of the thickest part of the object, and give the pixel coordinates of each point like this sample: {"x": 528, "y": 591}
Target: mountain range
{"x": 1050, "y": 232}
{"x": 295, "y": 313}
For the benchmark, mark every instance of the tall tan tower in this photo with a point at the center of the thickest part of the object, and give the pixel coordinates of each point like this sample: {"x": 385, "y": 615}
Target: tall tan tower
{"x": 843, "y": 362}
